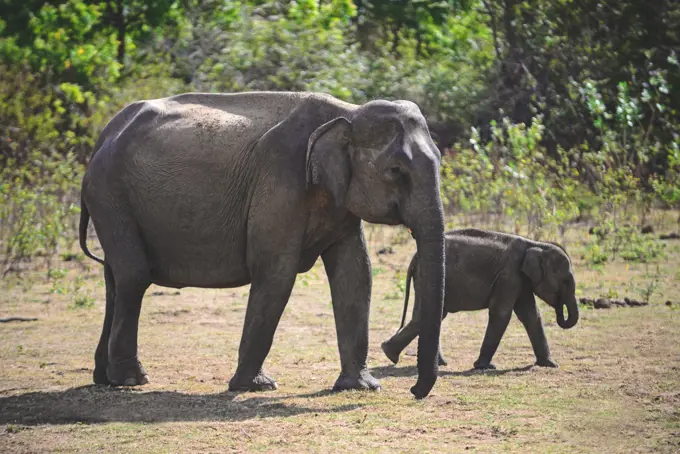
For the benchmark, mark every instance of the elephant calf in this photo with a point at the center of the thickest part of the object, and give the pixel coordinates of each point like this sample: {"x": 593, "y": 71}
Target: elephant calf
{"x": 501, "y": 273}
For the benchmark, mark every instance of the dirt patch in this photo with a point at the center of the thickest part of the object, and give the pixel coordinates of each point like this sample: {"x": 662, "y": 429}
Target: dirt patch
{"x": 618, "y": 374}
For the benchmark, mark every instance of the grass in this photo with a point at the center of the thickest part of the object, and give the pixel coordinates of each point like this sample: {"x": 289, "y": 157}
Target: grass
{"x": 617, "y": 388}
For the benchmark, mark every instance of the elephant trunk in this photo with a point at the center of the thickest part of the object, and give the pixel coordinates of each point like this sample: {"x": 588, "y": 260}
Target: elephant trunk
{"x": 572, "y": 307}
{"x": 428, "y": 230}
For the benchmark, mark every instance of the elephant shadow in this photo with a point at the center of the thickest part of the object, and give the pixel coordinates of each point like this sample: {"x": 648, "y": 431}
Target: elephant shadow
{"x": 99, "y": 404}
{"x": 412, "y": 371}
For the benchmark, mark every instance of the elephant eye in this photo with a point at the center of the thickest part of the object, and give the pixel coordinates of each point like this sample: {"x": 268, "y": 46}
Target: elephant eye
{"x": 396, "y": 175}
{"x": 393, "y": 173}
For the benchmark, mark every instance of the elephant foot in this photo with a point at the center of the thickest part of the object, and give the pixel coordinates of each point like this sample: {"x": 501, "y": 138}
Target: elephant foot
{"x": 546, "y": 362}
{"x": 484, "y": 365}
{"x": 390, "y": 352}
{"x": 260, "y": 382}
{"x": 365, "y": 381}
{"x": 441, "y": 360}
{"x": 125, "y": 373}
{"x": 99, "y": 376}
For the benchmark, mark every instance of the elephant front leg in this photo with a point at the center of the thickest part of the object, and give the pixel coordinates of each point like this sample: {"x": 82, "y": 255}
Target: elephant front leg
{"x": 498, "y": 322}
{"x": 349, "y": 274}
{"x": 269, "y": 293}
{"x": 527, "y": 313}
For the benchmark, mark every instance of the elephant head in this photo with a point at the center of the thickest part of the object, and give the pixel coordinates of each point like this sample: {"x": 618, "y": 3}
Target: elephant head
{"x": 380, "y": 163}
{"x": 549, "y": 268}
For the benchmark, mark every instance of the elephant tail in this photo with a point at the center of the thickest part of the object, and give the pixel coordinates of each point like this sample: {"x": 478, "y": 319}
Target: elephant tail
{"x": 409, "y": 276}
{"x": 84, "y": 221}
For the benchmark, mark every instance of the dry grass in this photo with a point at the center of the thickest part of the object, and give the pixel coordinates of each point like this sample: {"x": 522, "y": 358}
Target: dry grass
{"x": 617, "y": 388}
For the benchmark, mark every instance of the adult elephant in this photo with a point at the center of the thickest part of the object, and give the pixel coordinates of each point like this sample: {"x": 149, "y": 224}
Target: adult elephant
{"x": 222, "y": 190}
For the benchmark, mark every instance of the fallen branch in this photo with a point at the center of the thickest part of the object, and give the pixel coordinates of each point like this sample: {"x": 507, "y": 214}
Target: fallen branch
{"x": 18, "y": 319}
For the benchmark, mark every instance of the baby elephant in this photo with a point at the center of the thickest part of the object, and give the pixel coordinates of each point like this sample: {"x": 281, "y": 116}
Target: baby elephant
{"x": 499, "y": 272}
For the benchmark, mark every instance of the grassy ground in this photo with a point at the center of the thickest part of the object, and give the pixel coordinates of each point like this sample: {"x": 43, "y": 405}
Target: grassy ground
{"x": 617, "y": 388}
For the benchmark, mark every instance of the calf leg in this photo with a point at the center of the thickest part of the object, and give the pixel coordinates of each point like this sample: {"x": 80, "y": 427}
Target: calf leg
{"x": 498, "y": 322}
{"x": 527, "y": 313}
{"x": 503, "y": 296}
{"x": 397, "y": 343}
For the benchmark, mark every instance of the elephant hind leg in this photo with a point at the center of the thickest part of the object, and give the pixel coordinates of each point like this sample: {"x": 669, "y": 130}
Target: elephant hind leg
{"x": 124, "y": 367}
{"x": 101, "y": 356}
{"x": 127, "y": 278}
{"x": 397, "y": 343}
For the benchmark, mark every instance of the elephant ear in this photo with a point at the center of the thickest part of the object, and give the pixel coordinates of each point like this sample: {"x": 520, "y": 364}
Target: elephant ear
{"x": 532, "y": 265}
{"x": 328, "y": 158}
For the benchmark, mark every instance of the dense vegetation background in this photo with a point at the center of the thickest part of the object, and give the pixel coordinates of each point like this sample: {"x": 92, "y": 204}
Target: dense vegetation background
{"x": 549, "y": 111}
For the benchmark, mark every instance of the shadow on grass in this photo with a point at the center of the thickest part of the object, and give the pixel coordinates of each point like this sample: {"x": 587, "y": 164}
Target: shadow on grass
{"x": 412, "y": 371}
{"x": 99, "y": 404}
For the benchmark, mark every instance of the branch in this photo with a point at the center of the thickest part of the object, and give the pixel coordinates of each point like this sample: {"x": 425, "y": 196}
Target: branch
{"x": 494, "y": 29}
{"x": 18, "y": 319}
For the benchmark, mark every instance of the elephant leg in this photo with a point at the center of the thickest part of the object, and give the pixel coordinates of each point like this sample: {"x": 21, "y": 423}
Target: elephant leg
{"x": 498, "y": 322}
{"x": 101, "y": 356}
{"x": 349, "y": 274}
{"x": 270, "y": 290}
{"x": 402, "y": 338}
{"x": 397, "y": 343}
{"x": 527, "y": 313}
{"x": 131, "y": 277}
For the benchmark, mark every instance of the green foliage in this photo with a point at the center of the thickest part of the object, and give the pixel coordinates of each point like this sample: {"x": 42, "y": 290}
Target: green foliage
{"x": 649, "y": 288}
{"x": 609, "y": 241}
{"x": 556, "y": 118}
{"x": 595, "y": 254}
{"x": 511, "y": 176}
{"x": 36, "y": 212}
{"x": 73, "y": 289}
{"x": 398, "y": 287}
{"x": 59, "y": 43}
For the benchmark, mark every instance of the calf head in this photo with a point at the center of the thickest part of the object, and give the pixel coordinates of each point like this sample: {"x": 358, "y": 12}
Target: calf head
{"x": 549, "y": 268}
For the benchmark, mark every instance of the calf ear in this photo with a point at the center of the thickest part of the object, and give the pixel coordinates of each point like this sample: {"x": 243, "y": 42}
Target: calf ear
{"x": 532, "y": 265}
{"x": 328, "y": 161}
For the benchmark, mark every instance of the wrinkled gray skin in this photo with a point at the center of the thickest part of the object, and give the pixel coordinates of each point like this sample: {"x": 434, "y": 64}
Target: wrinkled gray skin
{"x": 222, "y": 190}
{"x": 501, "y": 273}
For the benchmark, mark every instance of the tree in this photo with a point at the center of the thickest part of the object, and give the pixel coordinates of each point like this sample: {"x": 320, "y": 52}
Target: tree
{"x": 134, "y": 20}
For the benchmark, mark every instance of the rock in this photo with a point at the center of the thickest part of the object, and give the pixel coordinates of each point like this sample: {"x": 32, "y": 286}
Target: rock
{"x": 602, "y": 303}
{"x": 647, "y": 229}
{"x": 608, "y": 303}
{"x": 585, "y": 301}
{"x": 670, "y": 236}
